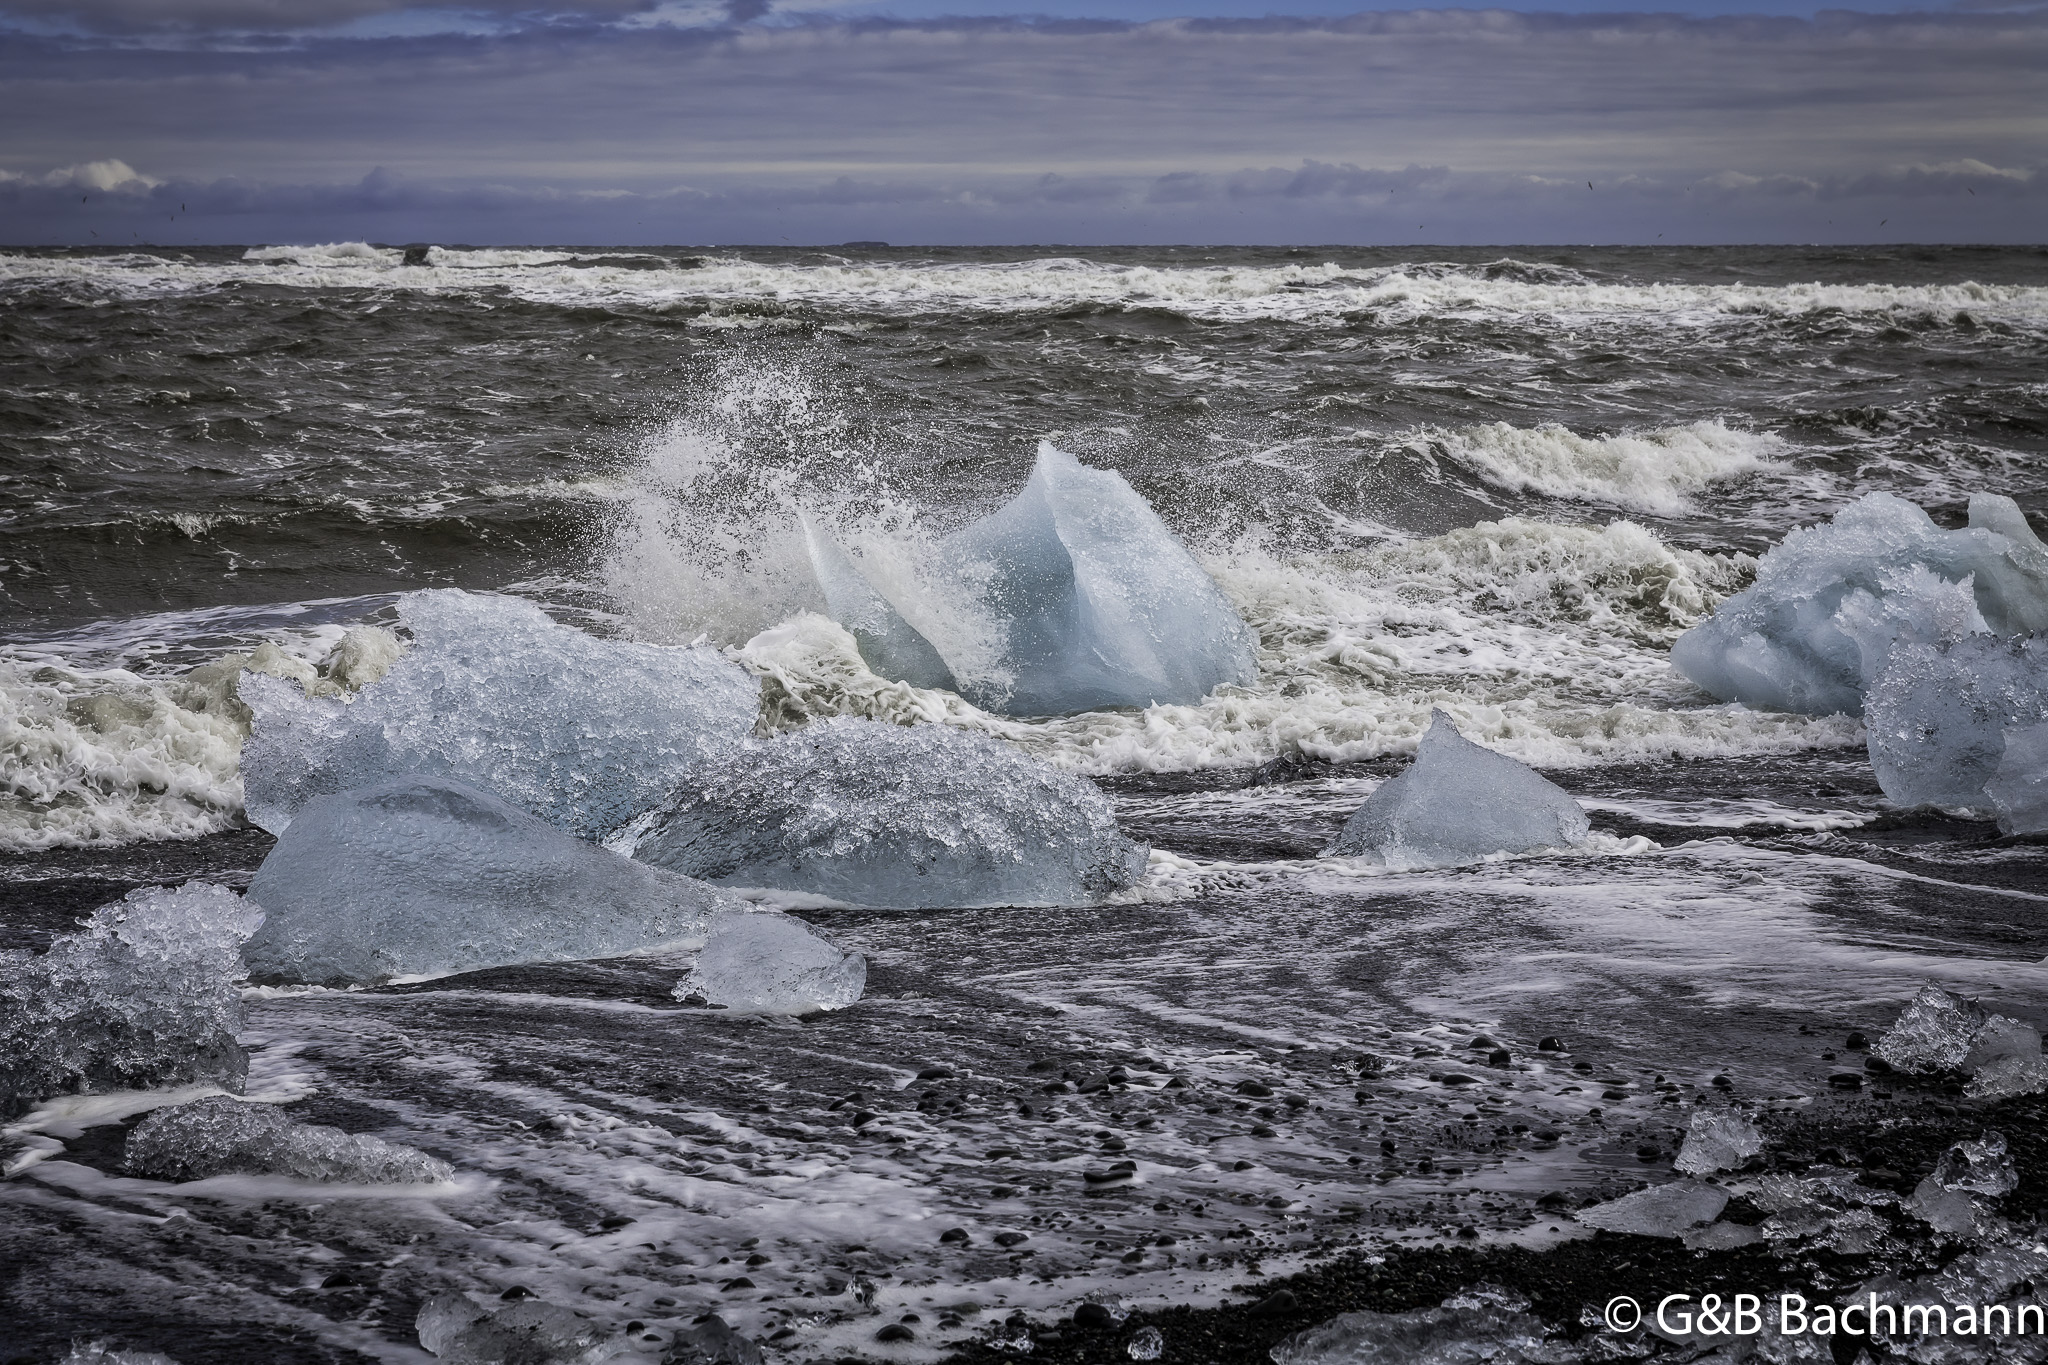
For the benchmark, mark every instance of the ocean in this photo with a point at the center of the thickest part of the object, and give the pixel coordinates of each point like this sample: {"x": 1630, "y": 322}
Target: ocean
{"x": 1496, "y": 482}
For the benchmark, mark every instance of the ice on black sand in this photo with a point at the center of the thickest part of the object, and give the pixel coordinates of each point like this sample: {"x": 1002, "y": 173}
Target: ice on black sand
{"x": 1946, "y": 1199}
{"x": 1481, "y": 1324}
{"x": 1717, "y": 1140}
{"x": 585, "y": 733}
{"x": 1457, "y": 803}
{"x": 529, "y": 1333}
{"x": 1780, "y": 645}
{"x": 773, "y": 964}
{"x": 1940, "y": 1031}
{"x": 220, "y": 1136}
{"x": 1660, "y": 1211}
{"x": 424, "y": 876}
{"x": 1091, "y": 600}
{"x": 146, "y": 994}
{"x": 889, "y": 816}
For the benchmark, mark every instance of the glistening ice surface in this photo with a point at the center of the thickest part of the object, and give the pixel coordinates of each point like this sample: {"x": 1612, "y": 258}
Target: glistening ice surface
{"x": 1495, "y": 484}
{"x": 896, "y": 817}
{"x": 420, "y": 875}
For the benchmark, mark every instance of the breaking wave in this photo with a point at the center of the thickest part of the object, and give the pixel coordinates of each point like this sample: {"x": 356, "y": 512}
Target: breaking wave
{"x": 1296, "y": 291}
{"x": 1655, "y": 472}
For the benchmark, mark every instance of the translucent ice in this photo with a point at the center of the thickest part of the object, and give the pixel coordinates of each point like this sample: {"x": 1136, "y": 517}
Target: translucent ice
{"x": 1933, "y": 1034}
{"x": 1457, "y": 803}
{"x": 146, "y": 994}
{"x": 894, "y": 816}
{"x": 1660, "y": 1211}
{"x": 1092, "y": 601}
{"x": 584, "y": 733}
{"x": 220, "y": 1136}
{"x": 1779, "y": 645}
{"x": 772, "y": 964}
{"x": 1717, "y": 1140}
{"x": 1982, "y": 1166}
{"x": 100, "y": 1353}
{"x": 2005, "y": 1059}
{"x": 1466, "y": 1330}
{"x": 2018, "y": 789}
{"x": 1939, "y": 714}
{"x": 421, "y": 875}
{"x": 527, "y": 1333}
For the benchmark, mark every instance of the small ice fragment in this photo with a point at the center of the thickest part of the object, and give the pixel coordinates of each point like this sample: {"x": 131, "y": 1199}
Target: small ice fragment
{"x": 100, "y": 1353}
{"x": 1457, "y": 803}
{"x": 1717, "y": 1140}
{"x": 1933, "y": 1034}
{"x": 1780, "y": 645}
{"x": 1720, "y": 1237}
{"x": 1951, "y": 1211}
{"x": 1982, "y": 1166}
{"x": 712, "y": 1342}
{"x": 765, "y": 963}
{"x": 2005, "y": 1059}
{"x": 220, "y": 1136}
{"x": 1147, "y": 1343}
{"x": 527, "y": 1333}
{"x": 1660, "y": 1211}
{"x": 585, "y": 733}
{"x": 147, "y": 994}
{"x": 1090, "y": 602}
{"x": 1463, "y": 1329}
{"x": 422, "y": 875}
{"x": 896, "y": 817}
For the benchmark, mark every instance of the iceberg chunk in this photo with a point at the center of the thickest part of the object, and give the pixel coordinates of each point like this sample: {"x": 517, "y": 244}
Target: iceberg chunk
{"x": 219, "y": 1136}
{"x": 1939, "y": 713}
{"x": 1932, "y": 1034}
{"x": 1717, "y": 1140}
{"x": 897, "y": 817}
{"x": 1779, "y": 645}
{"x": 1943, "y": 1032}
{"x": 1457, "y": 803}
{"x": 773, "y": 964}
{"x": 1094, "y": 602}
{"x": 2005, "y": 1059}
{"x": 2018, "y": 789}
{"x": 146, "y": 994}
{"x": 1982, "y": 1167}
{"x": 1660, "y": 1211}
{"x": 585, "y": 733}
{"x": 424, "y": 876}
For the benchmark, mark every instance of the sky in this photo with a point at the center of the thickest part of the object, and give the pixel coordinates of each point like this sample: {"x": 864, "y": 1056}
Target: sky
{"x": 970, "y": 122}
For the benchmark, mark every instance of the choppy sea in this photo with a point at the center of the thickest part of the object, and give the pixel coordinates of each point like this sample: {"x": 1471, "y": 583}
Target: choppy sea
{"x": 1495, "y": 482}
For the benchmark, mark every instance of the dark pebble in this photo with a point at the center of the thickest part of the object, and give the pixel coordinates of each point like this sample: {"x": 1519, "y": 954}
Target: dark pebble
{"x": 1723, "y": 1083}
{"x": 954, "y": 1235}
{"x": 895, "y": 1331}
{"x": 1550, "y": 1045}
{"x": 1613, "y": 1094}
{"x": 615, "y": 1221}
{"x": 1262, "y": 1130}
{"x": 517, "y": 1291}
{"x": 1010, "y": 1239}
{"x": 1274, "y": 1304}
{"x": 936, "y": 1073}
{"x": 1241, "y": 1166}
{"x": 862, "y": 1118}
{"x": 1482, "y": 1044}
{"x": 340, "y": 1280}
{"x": 1500, "y": 1056}
{"x": 738, "y": 1282}
{"x": 1093, "y": 1316}
{"x": 1877, "y": 1066}
{"x": 1254, "y": 1089}
{"x": 1856, "y": 1042}
{"x": 756, "y": 1259}
{"x": 1456, "y": 1078}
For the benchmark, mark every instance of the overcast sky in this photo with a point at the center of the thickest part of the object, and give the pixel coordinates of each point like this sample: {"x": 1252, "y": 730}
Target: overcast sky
{"x": 621, "y": 121}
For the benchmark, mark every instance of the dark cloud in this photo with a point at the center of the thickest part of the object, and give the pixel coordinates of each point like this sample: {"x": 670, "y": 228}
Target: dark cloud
{"x": 1008, "y": 130}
